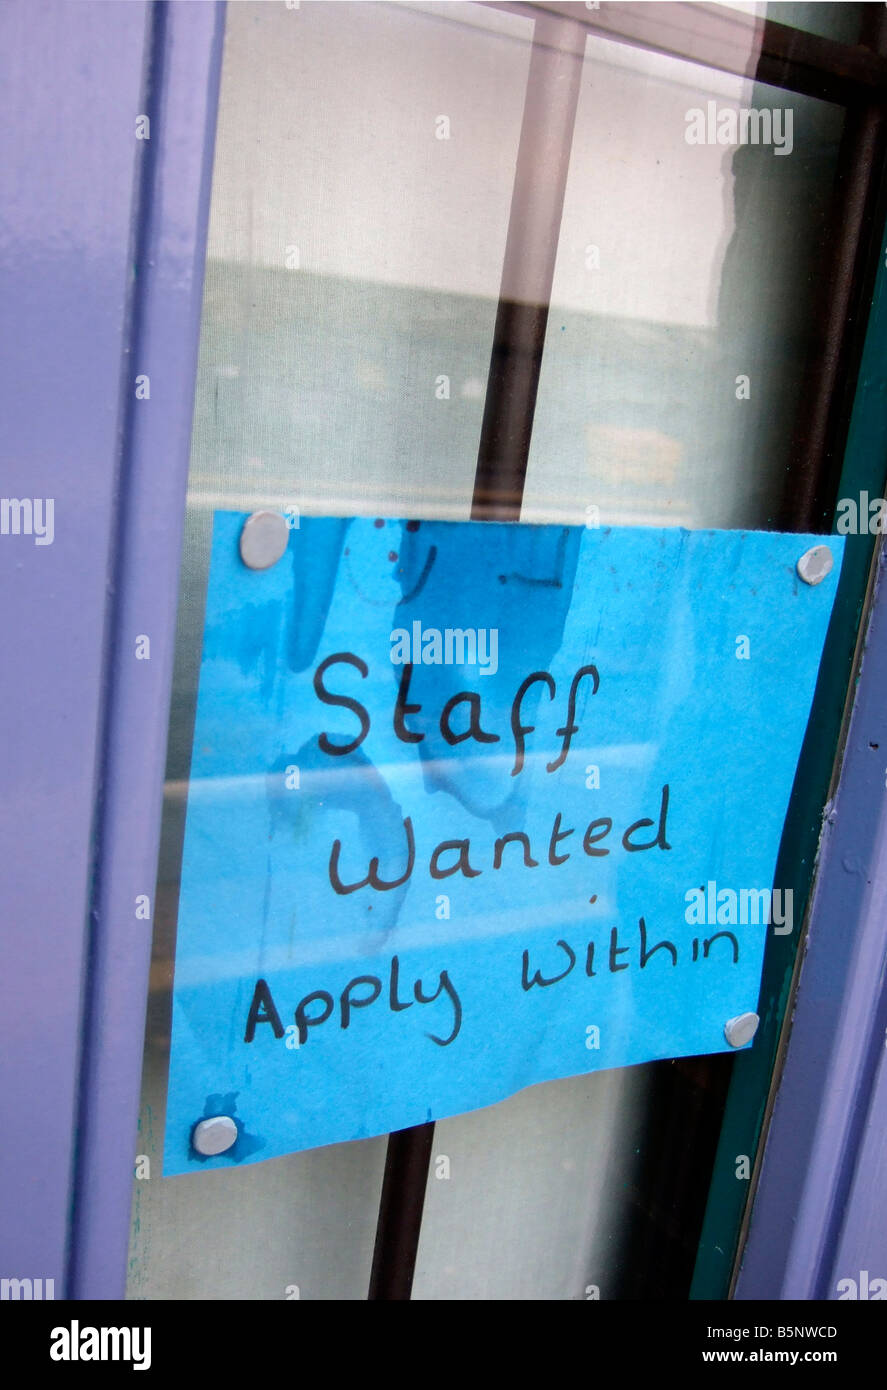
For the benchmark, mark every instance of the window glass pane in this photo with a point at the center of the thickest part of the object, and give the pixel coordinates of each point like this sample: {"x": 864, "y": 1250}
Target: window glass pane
{"x": 361, "y": 186}
{"x": 361, "y": 193}
{"x": 681, "y": 268}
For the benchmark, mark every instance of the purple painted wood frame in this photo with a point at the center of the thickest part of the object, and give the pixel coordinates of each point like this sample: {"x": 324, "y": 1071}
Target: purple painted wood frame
{"x": 820, "y": 1210}
{"x": 102, "y": 245}
{"x": 73, "y": 80}
{"x": 185, "y": 71}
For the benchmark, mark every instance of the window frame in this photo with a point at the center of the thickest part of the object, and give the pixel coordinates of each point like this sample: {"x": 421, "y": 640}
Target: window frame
{"x": 159, "y": 327}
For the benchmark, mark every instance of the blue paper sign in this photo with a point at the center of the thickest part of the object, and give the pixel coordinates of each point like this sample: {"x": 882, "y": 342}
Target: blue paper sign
{"x": 474, "y": 806}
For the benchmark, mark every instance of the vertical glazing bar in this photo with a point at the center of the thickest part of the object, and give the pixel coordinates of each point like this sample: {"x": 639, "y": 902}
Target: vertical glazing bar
{"x": 537, "y": 202}
{"x": 400, "y": 1213}
{"x": 534, "y": 222}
